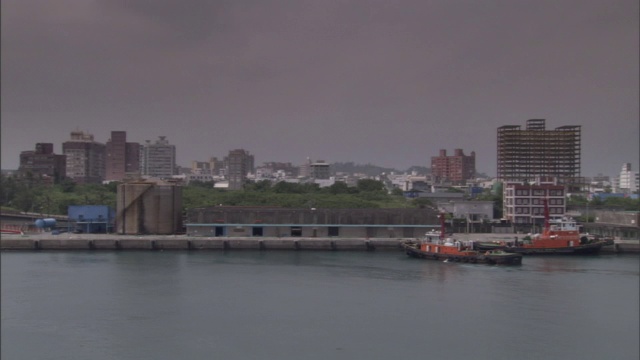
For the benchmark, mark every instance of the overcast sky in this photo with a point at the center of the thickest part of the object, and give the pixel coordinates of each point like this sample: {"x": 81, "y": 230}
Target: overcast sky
{"x": 378, "y": 81}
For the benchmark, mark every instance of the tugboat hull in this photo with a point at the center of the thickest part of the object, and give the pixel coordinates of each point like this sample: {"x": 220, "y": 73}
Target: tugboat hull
{"x": 586, "y": 249}
{"x": 495, "y": 257}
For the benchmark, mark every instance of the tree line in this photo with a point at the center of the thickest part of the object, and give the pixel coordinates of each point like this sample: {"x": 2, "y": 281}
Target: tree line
{"x": 29, "y": 195}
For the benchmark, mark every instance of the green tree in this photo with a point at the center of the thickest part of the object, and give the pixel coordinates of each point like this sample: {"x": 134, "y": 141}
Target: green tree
{"x": 624, "y": 203}
{"x": 422, "y": 203}
{"x": 68, "y": 185}
{"x": 202, "y": 184}
{"x": 370, "y": 185}
{"x": 9, "y": 188}
{"x": 340, "y": 187}
{"x": 261, "y": 186}
{"x": 25, "y": 201}
{"x": 577, "y": 200}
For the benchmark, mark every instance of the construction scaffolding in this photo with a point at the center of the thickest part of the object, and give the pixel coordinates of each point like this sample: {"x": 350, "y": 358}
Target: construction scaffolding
{"x": 524, "y": 155}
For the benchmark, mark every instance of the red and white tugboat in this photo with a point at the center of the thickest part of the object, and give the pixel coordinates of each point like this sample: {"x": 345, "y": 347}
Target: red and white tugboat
{"x": 447, "y": 249}
{"x": 558, "y": 237}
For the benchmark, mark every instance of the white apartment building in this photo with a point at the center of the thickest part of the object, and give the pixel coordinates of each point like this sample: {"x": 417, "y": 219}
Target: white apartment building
{"x": 158, "y": 159}
{"x": 628, "y": 182}
{"x": 523, "y": 203}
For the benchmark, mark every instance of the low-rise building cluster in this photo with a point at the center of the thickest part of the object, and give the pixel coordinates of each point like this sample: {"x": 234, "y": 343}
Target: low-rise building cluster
{"x": 535, "y": 165}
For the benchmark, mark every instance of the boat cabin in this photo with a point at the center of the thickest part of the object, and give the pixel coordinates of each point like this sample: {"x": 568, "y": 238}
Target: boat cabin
{"x": 564, "y": 224}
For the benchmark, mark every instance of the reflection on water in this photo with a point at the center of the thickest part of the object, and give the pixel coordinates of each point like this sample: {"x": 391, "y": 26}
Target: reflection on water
{"x": 314, "y": 305}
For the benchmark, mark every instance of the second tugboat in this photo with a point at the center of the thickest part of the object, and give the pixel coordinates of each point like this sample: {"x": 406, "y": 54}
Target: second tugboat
{"x": 562, "y": 237}
{"x": 456, "y": 251}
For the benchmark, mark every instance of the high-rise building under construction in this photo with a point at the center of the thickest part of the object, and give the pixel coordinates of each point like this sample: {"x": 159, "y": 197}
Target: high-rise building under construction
{"x": 525, "y": 155}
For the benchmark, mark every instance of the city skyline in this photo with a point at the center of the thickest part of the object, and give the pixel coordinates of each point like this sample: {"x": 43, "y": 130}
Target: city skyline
{"x": 386, "y": 83}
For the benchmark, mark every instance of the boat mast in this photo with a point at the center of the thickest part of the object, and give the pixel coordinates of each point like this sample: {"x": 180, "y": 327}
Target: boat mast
{"x": 546, "y": 215}
{"x": 441, "y": 217}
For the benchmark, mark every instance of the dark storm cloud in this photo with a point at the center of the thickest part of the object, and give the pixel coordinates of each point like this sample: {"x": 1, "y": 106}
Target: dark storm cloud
{"x": 386, "y": 82}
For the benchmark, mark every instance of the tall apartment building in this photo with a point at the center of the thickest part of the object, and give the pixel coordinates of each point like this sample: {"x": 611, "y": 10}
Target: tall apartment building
{"x": 320, "y": 170}
{"x": 158, "y": 159}
{"x": 457, "y": 168}
{"x": 43, "y": 164}
{"x": 628, "y": 182}
{"x": 239, "y": 164}
{"x": 524, "y": 155}
{"x": 85, "y": 158}
{"x": 305, "y": 169}
{"x": 122, "y": 157}
{"x": 218, "y": 167}
{"x": 200, "y": 167}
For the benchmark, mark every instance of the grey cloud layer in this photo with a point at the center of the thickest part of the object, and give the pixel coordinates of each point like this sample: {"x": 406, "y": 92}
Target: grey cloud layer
{"x": 386, "y": 82}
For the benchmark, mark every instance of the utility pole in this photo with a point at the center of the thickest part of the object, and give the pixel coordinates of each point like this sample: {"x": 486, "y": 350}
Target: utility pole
{"x": 587, "y": 210}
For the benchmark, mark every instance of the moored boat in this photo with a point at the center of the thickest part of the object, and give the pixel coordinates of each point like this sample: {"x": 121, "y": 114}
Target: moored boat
{"x": 457, "y": 251}
{"x": 558, "y": 237}
{"x": 490, "y": 245}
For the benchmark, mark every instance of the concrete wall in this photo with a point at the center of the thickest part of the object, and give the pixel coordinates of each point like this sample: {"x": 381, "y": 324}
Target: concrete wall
{"x": 624, "y": 218}
{"x": 181, "y": 243}
{"x": 309, "y": 231}
{"x": 255, "y": 215}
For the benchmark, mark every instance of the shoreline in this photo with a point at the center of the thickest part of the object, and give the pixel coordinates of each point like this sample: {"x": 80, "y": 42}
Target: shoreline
{"x": 114, "y": 242}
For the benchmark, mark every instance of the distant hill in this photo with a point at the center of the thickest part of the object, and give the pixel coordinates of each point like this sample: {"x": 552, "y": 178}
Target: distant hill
{"x": 352, "y": 168}
{"x": 372, "y": 170}
{"x": 422, "y": 170}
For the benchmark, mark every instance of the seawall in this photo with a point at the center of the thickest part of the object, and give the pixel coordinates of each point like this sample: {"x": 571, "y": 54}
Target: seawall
{"x": 98, "y": 242}
{"x": 181, "y": 242}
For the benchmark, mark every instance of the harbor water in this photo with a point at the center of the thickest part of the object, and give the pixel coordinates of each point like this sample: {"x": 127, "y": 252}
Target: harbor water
{"x": 315, "y": 305}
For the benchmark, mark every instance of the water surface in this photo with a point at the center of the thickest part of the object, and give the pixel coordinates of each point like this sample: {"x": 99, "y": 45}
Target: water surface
{"x": 315, "y": 305}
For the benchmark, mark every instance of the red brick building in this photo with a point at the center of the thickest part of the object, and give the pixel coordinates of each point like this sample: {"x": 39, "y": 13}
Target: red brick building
{"x": 43, "y": 164}
{"x": 85, "y": 158}
{"x": 122, "y": 157}
{"x": 456, "y": 169}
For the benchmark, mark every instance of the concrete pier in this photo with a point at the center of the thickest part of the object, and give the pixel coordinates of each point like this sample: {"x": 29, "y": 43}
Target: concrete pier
{"x": 182, "y": 242}
{"x": 623, "y": 246}
{"x": 98, "y": 242}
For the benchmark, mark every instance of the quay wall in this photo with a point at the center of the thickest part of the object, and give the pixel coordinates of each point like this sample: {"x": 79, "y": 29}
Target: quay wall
{"x": 181, "y": 242}
{"x": 155, "y": 242}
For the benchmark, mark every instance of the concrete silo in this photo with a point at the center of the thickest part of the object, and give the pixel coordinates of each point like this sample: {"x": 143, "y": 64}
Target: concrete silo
{"x": 149, "y": 208}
